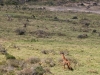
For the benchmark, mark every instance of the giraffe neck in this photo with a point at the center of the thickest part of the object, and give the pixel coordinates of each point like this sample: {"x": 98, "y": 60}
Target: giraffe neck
{"x": 63, "y": 57}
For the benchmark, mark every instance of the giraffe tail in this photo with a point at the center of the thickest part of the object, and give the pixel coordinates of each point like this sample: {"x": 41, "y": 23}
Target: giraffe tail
{"x": 70, "y": 68}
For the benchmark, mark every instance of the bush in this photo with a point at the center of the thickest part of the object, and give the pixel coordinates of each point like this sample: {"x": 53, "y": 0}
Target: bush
{"x": 56, "y": 19}
{"x": 20, "y": 31}
{"x": 8, "y": 56}
{"x": 85, "y": 22}
{"x": 39, "y": 71}
{"x": 2, "y": 50}
{"x": 75, "y": 17}
{"x": 50, "y": 62}
{"x": 33, "y": 60}
{"x": 45, "y": 51}
{"x": 94, "y": 31}
{"x": 82, "y": 36}
{"x": 15, "y": 63}
{"x": 41, "y": 34}
{"x": 35, "y": 70}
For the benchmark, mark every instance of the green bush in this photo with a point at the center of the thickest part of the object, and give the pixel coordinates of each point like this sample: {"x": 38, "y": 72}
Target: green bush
{"x": 8, "y": 56}
{"x": 20, "y": 31}
{"x": 39, "y": 71}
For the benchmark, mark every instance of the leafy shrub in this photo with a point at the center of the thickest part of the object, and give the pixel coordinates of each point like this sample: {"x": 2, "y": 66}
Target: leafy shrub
{"x": 6, "y": 70}
{"x": 66, "y": 52}
{"x": 9, "y": 56}
{"x": 34, "y": 40}
{"x": 2, "y": 50}
{"x": 56, "y": 19}
{"x": 34, "y": 70}
{"x": 82, "y": 36}
{"x": 25, "y": 8}
{"x": 33, "y": 60}
{"x": 85, "y": 22}
{"x": 20, "y": 31}
{"x": 92, "y": 71}
{"x": 45, "y": 51}
{"x": 25, "y": 71}
{"x": 75, "y": 17}
{"x": 39, "y": 71}
{"x": 3, "y": 62}
{"x": 41, "y": 33}
{"x": 61, "y": 34}
{"x": 50, "y": 62}
{"x": 94, "y": 31}
{"x": 14, "y": 63}
{"x": 47, "y": 71}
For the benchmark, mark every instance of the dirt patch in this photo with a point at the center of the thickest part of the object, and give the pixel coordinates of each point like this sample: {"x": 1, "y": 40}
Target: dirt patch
{"x": 74, "y": 7}
{"x": 92, "y": 9}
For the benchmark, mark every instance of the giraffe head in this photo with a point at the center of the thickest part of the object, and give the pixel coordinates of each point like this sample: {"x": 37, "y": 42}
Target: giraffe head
{"x": 61, "y": 52}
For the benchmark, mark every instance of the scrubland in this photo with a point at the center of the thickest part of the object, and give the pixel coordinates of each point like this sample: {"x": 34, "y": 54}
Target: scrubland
{"x": 36, "y": 36}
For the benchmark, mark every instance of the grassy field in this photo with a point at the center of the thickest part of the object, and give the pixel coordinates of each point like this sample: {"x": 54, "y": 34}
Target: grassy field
{"x": 51, "y": 32}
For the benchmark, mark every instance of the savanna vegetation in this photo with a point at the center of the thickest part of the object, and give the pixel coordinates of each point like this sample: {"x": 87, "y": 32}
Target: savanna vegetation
{"x": 43, "y": 2}
{"x": 32, "y": 38}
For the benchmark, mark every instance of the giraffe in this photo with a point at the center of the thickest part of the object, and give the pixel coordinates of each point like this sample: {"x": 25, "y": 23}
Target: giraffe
{"x": 66, "y": 62}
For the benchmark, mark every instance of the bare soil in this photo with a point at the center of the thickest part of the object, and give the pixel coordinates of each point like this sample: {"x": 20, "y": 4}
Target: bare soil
{"x": 92, "y": 9}
{"x": 74, "y": 7}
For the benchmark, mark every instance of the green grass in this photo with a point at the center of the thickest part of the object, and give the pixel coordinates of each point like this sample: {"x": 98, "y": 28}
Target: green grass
{"x": 85, "y": 51}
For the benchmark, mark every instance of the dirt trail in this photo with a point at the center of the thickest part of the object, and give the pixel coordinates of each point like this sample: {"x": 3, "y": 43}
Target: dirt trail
{"x": 74, "y": 9}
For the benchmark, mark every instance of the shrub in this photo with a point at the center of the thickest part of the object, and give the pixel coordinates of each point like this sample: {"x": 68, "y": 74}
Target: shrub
{"x": 66, "y": 52}
{"x": 25, "y": 71}
{"x": 50, "y": 62}
{"x": 41, "y": 33}
{"x": 2, "y": 50}
{"x": 56, "y": 19}
{"x": 6, "y": 70}
{"x": 75, "y": 17}
{"x": 82, "y": 36}
{"x": 35, "y": 70}
{"x": 87, "y": 24}
{"x": 14, "y": 63}
{"x": 85, "y": 21}
{"x": 94, "y": 31}
{"x": 47, "y": 71}
{"x": 39, "y": 71}
{"x": 61, "y": 34}
{"x": 33, "y": 16}
{"x": 45, "y": 51}
{"x": 8, "y": 56}
{"x": 20, "y": 31}
{"x": 33, "y": 60}
{"x": 92, "y": 71}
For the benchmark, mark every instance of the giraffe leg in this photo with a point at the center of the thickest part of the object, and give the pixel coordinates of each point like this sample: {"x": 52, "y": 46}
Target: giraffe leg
{"x": 64, "y": 66}
{"x": 69, "y": 67}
